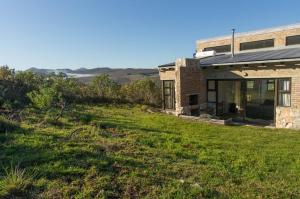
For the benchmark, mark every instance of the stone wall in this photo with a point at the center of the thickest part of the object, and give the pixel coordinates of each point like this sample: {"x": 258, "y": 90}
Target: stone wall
{"x": 289, "y": 117}
{"x": 167, "y": 74}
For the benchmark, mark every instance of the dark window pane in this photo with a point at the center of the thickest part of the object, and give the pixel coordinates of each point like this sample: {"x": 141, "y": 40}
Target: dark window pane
{"x": 167, "y": 91}
{"x": 211, "y": 85}
{"x": 168, "y": 102}
{"x": 284, "y": 99}
{"x": 193, "y": 99}
{"x": 250, "y": 84}
{"x": 167, "y": 84}
{"x": 211, "y": 96}
{"x": 257, "y": 44}
{"x": 219, "y": 49}
{"x": 284, "y": 85}
{"x": 293, "y": 40}
{"x": 169, "y": 94}
{"x": 271, "y": 85}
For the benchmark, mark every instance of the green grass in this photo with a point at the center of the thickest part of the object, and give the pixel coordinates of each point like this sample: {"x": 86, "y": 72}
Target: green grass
{"x": 123, "y": 152}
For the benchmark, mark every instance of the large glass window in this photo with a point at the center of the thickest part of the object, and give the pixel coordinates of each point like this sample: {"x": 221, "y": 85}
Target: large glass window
{"x": 257, "y": 44}
{"x": 293, "y": 40}
{"x": 284, "y": 92}
{"x": 219, "y": 49}
{"x": 260, "y": 95}
{"x": 168, "y": 94}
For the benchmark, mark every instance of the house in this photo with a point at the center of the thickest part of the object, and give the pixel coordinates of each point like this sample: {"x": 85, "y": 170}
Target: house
{"x": 252, "y": 76}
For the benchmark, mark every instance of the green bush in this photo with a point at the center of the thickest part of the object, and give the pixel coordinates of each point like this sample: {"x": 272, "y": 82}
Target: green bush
{"x": 85, "y": 118}
{"x": 43, "y": 98}
{"x": 15, "y": 184}
{"x": 144, "y": 91}
{"x": 7, "y": 125}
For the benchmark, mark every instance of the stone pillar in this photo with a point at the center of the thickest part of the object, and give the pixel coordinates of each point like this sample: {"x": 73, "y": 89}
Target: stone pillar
{"x": 178, "y": 105}
{"x": 188, "y": 81}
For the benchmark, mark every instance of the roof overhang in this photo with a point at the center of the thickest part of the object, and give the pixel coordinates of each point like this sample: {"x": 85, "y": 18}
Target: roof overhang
{"x": 253, "y": 62}
{"x": 167, "y": 65}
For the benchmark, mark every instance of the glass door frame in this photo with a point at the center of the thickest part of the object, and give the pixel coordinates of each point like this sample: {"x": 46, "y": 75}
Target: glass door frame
{"x": 171, "y": 91}
{"x": 243, "y": 93}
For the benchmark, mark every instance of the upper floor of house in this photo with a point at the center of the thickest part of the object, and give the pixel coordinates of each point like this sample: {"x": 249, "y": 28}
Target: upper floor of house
{"x": 284, "y": 36}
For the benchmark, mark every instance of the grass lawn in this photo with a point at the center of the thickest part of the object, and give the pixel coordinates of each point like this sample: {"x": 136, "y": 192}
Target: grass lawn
{"x": 122, "y": 152}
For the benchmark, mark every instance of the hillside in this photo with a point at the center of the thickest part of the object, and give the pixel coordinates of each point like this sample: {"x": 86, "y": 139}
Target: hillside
{"x": 119, "y": 75}
{"x": 110, "y": 151}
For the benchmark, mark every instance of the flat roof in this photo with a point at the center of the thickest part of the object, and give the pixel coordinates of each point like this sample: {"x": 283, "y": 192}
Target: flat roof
{"x": 167, "y": 65}
{"x": 278, "y": 55}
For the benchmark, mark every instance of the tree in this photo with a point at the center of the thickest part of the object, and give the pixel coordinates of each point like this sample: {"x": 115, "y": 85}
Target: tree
{"x": 6, "y": 73}
{"x": 144, "y": 91}
{"x": 14, "y": 87}
{"x": 105, "y": 88}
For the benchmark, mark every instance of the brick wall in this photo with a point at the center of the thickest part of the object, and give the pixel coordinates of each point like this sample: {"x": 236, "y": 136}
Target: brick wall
{"x": 279, "y": 37}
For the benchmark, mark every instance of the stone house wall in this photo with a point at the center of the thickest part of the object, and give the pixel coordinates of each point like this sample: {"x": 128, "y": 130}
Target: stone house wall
{"x": 167, "y": 74}
{"x": 190, "y": 79}
{"x": 285, "y": 117}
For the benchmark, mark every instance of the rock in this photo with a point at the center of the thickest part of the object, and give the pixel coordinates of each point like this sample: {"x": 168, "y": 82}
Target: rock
{"x": 289, "y": 125}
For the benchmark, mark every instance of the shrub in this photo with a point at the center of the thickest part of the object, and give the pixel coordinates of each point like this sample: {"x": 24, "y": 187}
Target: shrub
{"x": 7, "y": 125}
{"x": 144, "y": 91}
{"x": 85, "y": 118}
{"x": 105, "y": 88}
{"x": 15, "y": 183}
{"x": 44, "y": 98}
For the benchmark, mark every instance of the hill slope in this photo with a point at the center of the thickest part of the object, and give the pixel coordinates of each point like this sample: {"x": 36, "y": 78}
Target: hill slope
{"x": 127, "y": 153}
{"x": 119, "y": 75}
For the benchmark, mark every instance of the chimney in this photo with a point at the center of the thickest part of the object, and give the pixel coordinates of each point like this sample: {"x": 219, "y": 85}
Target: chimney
{"x": 232, "y": 43}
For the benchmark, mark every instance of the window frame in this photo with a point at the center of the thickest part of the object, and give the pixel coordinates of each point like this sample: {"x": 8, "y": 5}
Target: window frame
{"x": 279, "y": 92}
{"x": 171, "y": 94}
{"x": 290, "y": 37}
{"x": 216, "y": 47}
{"x": 269, "y": 83}
{"x": 255, "y": 42}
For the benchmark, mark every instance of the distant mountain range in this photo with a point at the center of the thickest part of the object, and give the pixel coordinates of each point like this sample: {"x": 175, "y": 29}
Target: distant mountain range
{"x": 120, "y": 75}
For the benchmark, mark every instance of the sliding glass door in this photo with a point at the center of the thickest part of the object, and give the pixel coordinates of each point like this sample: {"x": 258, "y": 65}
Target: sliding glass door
{"x": 260, "y": 95}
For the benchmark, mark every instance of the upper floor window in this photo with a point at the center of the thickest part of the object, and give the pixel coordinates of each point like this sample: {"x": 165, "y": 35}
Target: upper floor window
{"x": 292, "y": 40}
{"x": 219, "y": 49}
{"x": 257, "y": 44}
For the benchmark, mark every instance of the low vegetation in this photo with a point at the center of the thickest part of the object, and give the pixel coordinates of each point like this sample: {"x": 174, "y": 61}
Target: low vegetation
{"x": 124, "y": 151}
{"x": 60, "y": 138}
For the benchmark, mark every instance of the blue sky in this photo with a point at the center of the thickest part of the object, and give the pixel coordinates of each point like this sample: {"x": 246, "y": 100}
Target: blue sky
{"x": 124, "y": 33}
